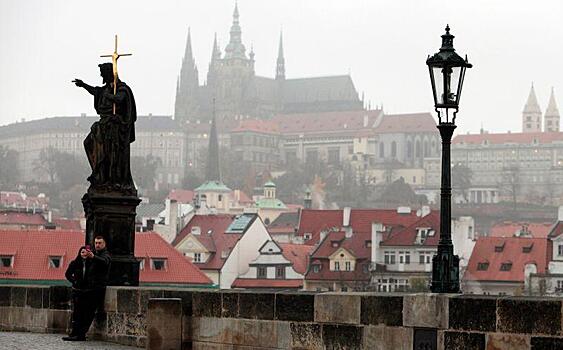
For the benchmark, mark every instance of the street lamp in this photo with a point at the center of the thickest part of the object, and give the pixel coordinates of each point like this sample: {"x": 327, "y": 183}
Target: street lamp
{"x": 447, "y": 70}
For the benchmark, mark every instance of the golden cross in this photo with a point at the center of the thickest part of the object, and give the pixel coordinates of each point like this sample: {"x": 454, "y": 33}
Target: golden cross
{"x": 114, "y": 56}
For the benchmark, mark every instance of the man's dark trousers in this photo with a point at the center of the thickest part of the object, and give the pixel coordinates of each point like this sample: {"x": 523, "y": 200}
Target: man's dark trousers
{"x": 85, "y": 304}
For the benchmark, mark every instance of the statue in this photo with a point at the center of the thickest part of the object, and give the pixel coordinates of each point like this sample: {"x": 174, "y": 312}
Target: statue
{"x": 108, "y": 143}
{"x": 111, "y": 200}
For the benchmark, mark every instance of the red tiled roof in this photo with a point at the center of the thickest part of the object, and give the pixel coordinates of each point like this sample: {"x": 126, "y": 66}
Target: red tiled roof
{"x": 20, "y": 200}
{"x": 32, "y": 249}
{"x": 516, "y": 137}
{"x": 314, "y": 221}
{"x": 266, "y": 283}
{"x": 256, "y": 125}
{"x": 356, "y": 245}
{"x": 297, "y": 254}
{"x": 67, "y": 224}
{"x": 12, "y": 218}
{"x": 405, "y": 123}
{"x": 181, "y": 196}
{"x": 512, "y": 252}
{"x": 508, "y": 229}
{"x": 322, "y": 122}
{"x": 213, "y": 237}
{"x": 557, "y": 230}
{"x": 179, "y": 269}
{"x": 407, "y": 236}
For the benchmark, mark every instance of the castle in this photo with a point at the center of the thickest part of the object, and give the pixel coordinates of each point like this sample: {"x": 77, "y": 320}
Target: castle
{"x": 236, "y": 89}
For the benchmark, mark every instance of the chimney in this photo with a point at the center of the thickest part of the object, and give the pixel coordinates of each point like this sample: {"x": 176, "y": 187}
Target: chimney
{"x": 323, "y": 235}
{"x": 425, "y": 210}
{"x": 50, "y": 216}
{"x": 346, "y": 216}
{"x": 376, "y": 237}
{"x": 172, "y": 220}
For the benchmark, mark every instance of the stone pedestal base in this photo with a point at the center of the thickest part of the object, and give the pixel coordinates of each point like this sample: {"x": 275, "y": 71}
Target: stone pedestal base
{"x": 113, "y": 216}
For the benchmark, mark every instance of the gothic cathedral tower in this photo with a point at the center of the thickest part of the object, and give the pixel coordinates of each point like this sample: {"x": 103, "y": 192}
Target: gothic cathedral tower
{"x": 531, "y": 115}
{"x": 551, "y": 118}
{"x": 186, "y": 105}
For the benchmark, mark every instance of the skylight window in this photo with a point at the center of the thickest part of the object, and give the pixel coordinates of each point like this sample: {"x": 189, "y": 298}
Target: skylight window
{"x": 6, "y": 261}
{"x": 507, "y": 266}
{"x": 158, "y": 263}
{"x": 55, "y": 262}
{"x": 483, "y": 266}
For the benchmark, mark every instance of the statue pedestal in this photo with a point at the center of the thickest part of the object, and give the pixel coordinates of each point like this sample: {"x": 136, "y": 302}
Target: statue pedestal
{"x": 112, "y": 215}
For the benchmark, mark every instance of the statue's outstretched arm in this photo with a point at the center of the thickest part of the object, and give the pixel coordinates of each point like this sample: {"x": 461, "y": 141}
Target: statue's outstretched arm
{"x": 86, "y": 87}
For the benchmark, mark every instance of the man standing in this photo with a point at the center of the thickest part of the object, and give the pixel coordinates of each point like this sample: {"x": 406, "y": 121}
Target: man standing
{"x": 89, "y": 274}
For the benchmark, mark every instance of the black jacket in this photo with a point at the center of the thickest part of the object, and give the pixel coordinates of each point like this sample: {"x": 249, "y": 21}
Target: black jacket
{"x": 89, "y": 273}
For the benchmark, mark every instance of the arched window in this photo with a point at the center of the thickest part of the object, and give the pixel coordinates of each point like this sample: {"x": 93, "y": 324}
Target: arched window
{"x": 417, "y": 150}
{"x": 381, "y": 150}
{"x": 426, "y": 148}
{"x": 409, "y": 149}
{"x": 394, "y": 149}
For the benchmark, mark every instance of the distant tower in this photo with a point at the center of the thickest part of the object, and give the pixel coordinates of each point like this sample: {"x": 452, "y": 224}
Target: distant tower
{"x": 551, "y": 117}
{"x": 214, "y": 63}
{"x": 213, "y": 171}
{"x": 280, "y": 64}
{"x": 186, "y": 104}
{"x": 308, "y": 200}
{"x": 531, "y": 116}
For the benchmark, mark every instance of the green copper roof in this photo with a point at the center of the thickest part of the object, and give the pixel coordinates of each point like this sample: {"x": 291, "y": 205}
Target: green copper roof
{"x": 270, "y": 203}
{"x": 269, "y": 184}
{"x": 213, "y": 186}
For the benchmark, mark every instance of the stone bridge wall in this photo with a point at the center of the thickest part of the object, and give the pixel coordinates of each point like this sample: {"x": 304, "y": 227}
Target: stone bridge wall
{"x": 221, "y": 320}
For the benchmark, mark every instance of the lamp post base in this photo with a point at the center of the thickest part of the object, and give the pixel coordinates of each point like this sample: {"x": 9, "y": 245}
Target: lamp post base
{"x": 445, "y": 271}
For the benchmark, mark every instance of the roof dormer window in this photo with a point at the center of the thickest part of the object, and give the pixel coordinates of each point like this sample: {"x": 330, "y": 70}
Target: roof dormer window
{"x": 499, "y": 248}
{"x": 6, "y": 261}
{"x": 483, "y": 266}
{"x": 527, "y": 249}
{"x": 55, "y": 262}
{"x": 506, "y": 266}
{"x": 158, "y": 264}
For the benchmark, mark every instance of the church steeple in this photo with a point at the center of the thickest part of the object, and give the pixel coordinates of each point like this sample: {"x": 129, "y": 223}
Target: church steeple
{"x": 213, "y": 170}
{"x": 235, "y": 48}
{"x": 531, "y": 115}
{"x": 551, "y": 118}
{"x": 280, "y": 64}
{"x": 187, "y": 85}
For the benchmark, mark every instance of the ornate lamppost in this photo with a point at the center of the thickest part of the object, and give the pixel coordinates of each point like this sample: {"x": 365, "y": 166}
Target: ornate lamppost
{"x": 447, "y": 70}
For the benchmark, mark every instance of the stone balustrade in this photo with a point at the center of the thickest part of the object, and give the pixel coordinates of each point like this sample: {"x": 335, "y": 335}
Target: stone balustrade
{"x": 220, "y": 320}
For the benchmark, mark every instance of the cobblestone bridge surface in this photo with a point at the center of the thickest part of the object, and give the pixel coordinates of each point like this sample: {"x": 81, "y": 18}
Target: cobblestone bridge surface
{"x": 35, "y": 341}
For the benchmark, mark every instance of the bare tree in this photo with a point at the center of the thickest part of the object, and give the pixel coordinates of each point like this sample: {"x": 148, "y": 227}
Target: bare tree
{"x": 511, "y": 183}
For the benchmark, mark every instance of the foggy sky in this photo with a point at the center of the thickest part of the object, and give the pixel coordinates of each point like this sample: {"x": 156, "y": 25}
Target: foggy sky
{"x": 383, "y": 44}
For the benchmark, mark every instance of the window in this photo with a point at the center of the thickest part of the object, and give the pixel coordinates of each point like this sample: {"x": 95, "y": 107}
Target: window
{"x": 527, "y": 249}
{"x": 142, "y": 264}
{"x": 425, "y": 257}
{"x": 316, "y": 268}
{"x": 220, "y": 197}
{"x": 365, "y": 268}
{"x": 368, "y": 244}
{"x": 333, "y": 156}
{"x": 499, "y": 248}
{"x": 261, "y": 272}
{"x": 344, "y": 289}
{"x": 307, "y": 236}
{"x": 393, "y": 149}
{"x": 280, "y": 272}
{"x": 560, "y": 250}
{"x": 482, "y": 266}
{"x": 336, "y": 266}
{"x": 6, "y": 261}
{"x": 55, "y": 262}
{"x": 381, "y": 150}
{"x": 404, "y": 257}
{"x": 389, "y": 257}
{"x": 348, "y": 266}
{"x": 158, "y": 264}
{"x": 560, "y": 285}
{"x": 507, "y": 266}
{"x": 197, "y": 257}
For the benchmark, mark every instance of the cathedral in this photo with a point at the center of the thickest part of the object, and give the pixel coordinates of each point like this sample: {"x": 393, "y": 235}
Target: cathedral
{"x": 233, "y": 89}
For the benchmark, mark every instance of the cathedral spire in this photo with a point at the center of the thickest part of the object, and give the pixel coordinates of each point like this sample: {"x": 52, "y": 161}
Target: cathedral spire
{"x": 235, "y": 48}
{"x": 552, "y": 117}
{"x": 213, "y": 171}
{"x": 280, "y": 64}
{"x": 188, "y": 54}
{"x": 532, "y": 102}
{"x": 216, "y": 54}
{"x": 187, "y": 84}
{"x": 531, "y": 115}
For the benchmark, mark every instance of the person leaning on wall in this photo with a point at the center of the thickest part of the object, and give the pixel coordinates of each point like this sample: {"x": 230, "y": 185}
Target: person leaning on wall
{"x": 89, "y": 274}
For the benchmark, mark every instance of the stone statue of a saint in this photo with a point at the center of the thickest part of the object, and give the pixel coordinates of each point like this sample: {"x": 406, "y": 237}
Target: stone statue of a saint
{"x": 108, "y": 143}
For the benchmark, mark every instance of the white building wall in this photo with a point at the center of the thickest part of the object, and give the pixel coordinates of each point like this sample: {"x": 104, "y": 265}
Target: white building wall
{"x": 246, "y": 250}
